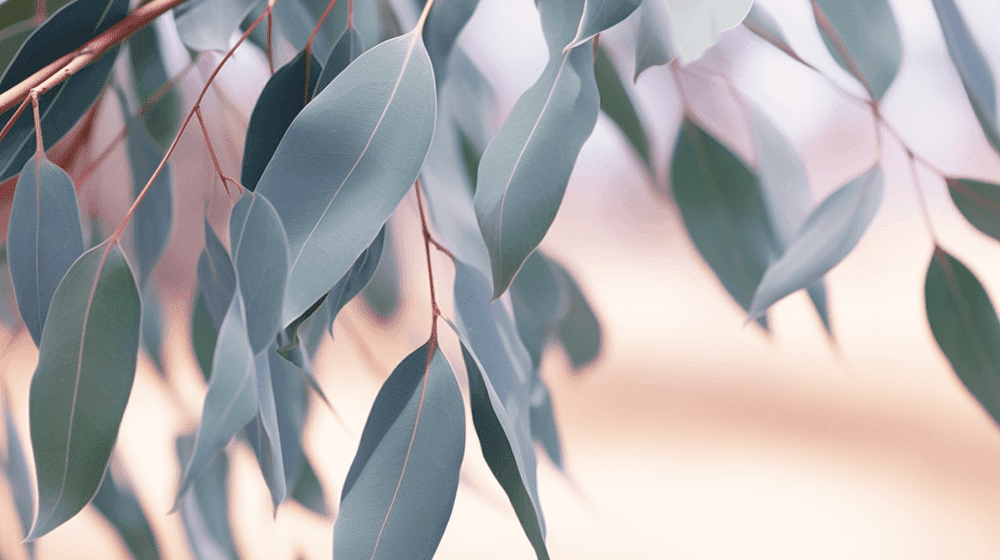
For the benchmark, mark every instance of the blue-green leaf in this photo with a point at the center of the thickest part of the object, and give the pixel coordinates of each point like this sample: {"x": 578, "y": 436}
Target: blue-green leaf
{"x": 760, "y": 22}
{"x": 972, "y": 67}
{"x": 63, "y": 105}
{"x": 599, "y": 15}
{"x": 152, "y": 317}
{"x": 44, "y": 237}
{"x": 869, "y": 32}
{"x": 579, "y": 331}
{"x": 348, "y": 48}
{"x": 117, "y": 503}
{"x": 308, "y": 491}
{"x": 543, "y": 423}
{"x": 617, "y": 104}
{"x": 8, "y": 312}
{"x": 16, "y": 471}
{"x": 207, "y": 25}
{"x": 284, "y": 95}
{"x": 695, "y": 26}
{"x": 381, "y": 295}
{"x": 524, "y": 171}
{"x": 203, "y": 334}
{"x": 162, "y": 118}
{"x": 401, "y": 486}
{"x": 205, "y": 511}
{"x": 722, "y": 206}
{"x": 445, "y": 21}
{"x": 539, "y": 302}
{"x": 500, "y": 373}
{"x": 827, "y": 236}
{"x": 263, "y": 432}
{"x": 216, "y": 277}
{"x": 297, "y": 18}
{"x": 346, "y": 162}
{"x": 654, "y": 45}
{"x": 979, "y": 202}
{"x": 965, "y": 326}
{"x": 86, "y": 365}
{"x": 260, "y": 257}
{"x": 357, "y": 278}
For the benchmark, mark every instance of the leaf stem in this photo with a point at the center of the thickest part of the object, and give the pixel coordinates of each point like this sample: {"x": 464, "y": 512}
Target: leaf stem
{"x": 39, "y": 147}
{"x": 419, "y": 27}
{"x": 215, "y": 160}
{"x": 838, "y": 44}
{"x": 315, "y": 31}
{"x": 435, "y": 311}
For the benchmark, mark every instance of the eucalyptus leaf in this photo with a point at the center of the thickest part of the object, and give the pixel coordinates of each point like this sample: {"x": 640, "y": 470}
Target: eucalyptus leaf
{"x": 348, "y": 48}
{"x": 695, "y": 26}
{"x": 162, "y": 118}
{"x": 8, "y": 309}
{"x": 445, "y": 21}
{"x": 205, "y": 510}
{"x": 979, "y": 202}
{"x": 654, "y": 44}
{"x": 346, "y": 162}
{"x": 152, "y": 331}
{"x": 16, "y": 471}
{"x": 543, "y": 423}
{"x": 203, "y": 335}
{"x": 117, "y": 503}
{"x": 579, "y": 331}
{"x": 829, "y": 234}
{"x": 965, "y": 327}
{"x": 617, "y": 103}
{"x": 540, "y": 302}
{"x": 207, "y": 25}
{"x": 86, "y": 366}
{"x": 869, "y": 32}
{"x": 264, "y": 434}
{"x": 309, "y": 492}
{"x": 760, "y": 22}
{"x": 401, "y": 486}
{"x": 297, "y": 18}
{"x": 44, "y": 237}
{"x": 599, "y": 15}
{"x": 216, "y": 277}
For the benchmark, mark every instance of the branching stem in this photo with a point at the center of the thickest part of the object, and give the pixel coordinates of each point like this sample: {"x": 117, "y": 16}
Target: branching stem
{"x": 435, "y": 310}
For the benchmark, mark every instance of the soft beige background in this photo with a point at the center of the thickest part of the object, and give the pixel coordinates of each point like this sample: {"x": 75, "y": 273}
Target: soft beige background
{"x": 693, "y": 437}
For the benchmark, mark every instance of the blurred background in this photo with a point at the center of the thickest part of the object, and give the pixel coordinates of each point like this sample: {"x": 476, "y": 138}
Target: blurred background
{"x": 692, "y": 436}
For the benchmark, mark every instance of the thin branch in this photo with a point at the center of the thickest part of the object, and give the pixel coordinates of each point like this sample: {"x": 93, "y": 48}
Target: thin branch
{"x": 435, "y": 311}
{"x": 315, "y": 31}
{"x": 39, "y": 147}
{"x": 441, "y": 248}
{"x": 270, "y": 46}
{"x": 211, "y": 152}
{"x": 838, "y": 45}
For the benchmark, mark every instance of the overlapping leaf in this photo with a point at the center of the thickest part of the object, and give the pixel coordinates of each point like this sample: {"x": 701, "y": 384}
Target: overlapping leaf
{"x": 693, "y": 26}
{"x": 216, "y": 277}
{"x": 264, "y": 434}
{"x": 207, "y": 25}
{"x": 654, "y": 45}
{"x": 117, "y": 503}
{"x": 346, "y": 162}
{"x": 543, "y": 423}
{"x": 869, "y": 33}
{"x": 760, "y": 22}
{"x": 162, "y": 118}
{"x": 579, "y": 331}
{"x": 86, "y": 365}
{"x": 348, "y": 48}
{"x": 205, "y": 510}
{"x": 152, "y": 331}
{"x": 297, "y": 18}
{"x": 44, "y": 237}
{"x": 965, "y": 326}
{"x": 401, "y": 486}
{"x": 979, "y": 202}
{"x": 445, "y": 21}
{"x": 617, "y": 103}
{"x": 599, "y": 15}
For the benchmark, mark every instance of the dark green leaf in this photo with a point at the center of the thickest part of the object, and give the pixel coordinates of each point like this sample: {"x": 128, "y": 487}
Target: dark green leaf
{"x": 207, "y": 25}
{"x": 162, "y": 118}
{"x": 216, "y": 277}
{"x": 346, "y": 162}
{"x": 599, "y": 15}
{"x": 617, "y": 103}
{"x": 869, "y": 33}
{"x": 152, "y": 316}
{"x": 86, "y": 365}
{"x": 44, "y": 237}
{"x": 965, "y": 326}
{"x": 309, "y": 492}
{"x": 206, "y": 510}
{"x": 203, "y": 335}
{"x": 979, "y": 202}
{"x": 401, "y": 486}
{"x": 579, "y": 331}
{"x": 348, "y": 48}
{"x": 117, "y": 503}
{"x": 543, "y": 423}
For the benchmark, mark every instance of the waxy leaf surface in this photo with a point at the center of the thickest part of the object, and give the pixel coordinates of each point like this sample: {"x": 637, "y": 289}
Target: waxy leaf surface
{"x": 599, "y": 15}
{"x": 869, "y": 32}
{"x": 263, "y": 432}
{"x": 979, "y": 202}
{"x": 695, "y": 26}
{"x": 654, "y": 45}
{"x": 86, "y": 365}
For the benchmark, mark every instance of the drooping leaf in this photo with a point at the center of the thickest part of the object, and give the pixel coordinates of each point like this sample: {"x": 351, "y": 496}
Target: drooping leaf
{"x": 152, "y": 335}
{"x": 203, "y": 335}
{"x": 543, "y": 423}
{"x": 357, "y": 277}
{"x": 117, "y": 503}
{"x": 284, "y": 95}
{"x": 599, "y": 15}
{"x": 401, "y": 486}
{"x": 260, "y": 257}
{"x": 207, "y": 25}
{"x": 579, "y": 331}
{"x": 346, "y": 162}
{"x": 8, "y": 313}
{"x": 695, "y": 26}
{"x": 524, "y": 171}
{"x": 216, "y": 277}
{"x": 16, "y": 471}
{"x": 63, "y": 105}
{"x": 348, "y": 48}
{"x": 869, "y": 33}
{"x": 654, "y": 45}
{"x": 445, "y": 21}
{"x": 471, "y": 101}
{"x": 205, "y": 510}
{"x": 86, "y": 365}
{"x": 44, "y": 237}
{"x": 162, "y": 118}
{"x": 617, "y": 103}
{"x": 263, "y": 432}
{"x": 309, "y": 492}
{"x": 827, "y": 236}
{"x": 979, "y": 202}
{"x": 381, "y": 295}
{"x": 539, "y": 304}
{"x": 972, "y": 67}
{"x": 723, "y": 209}
{"x": 965, "y": 326}
{"x": 297, "y": 18}
{"x": 760, "y": 22}
{"x": 500, "y": 373}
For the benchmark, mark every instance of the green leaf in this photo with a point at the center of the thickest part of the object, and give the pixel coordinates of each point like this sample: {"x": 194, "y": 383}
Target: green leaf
{"x": 203, "y": 335}
{"x": 205, "y": 511}
{"x": 979, "y": 202}
{"x": 695, "y": 26}
{"x": 723, "y": 208}
{"x": 162, "y": 119}
{"x": 263, "y": 432}
{"x": 540, "y": 302}
{"x": 216, "y": 277}
{"x": 297, "y": 18}
{"x": 86, "y": 365}
{"x": 117, "y": 503}
{"x": 16, "y": 470}
{"x": 868, "y": 30}
{"x": 972, "y": 67}
{"x": 445, "y": 21}
{"x": 829, "y": 234}
{"x": 63, "y": 105}
{"x": 309, "y": 492}
{"x": 284, "y": 95}
{"x": 543, "y": 423}
{"x": 401, "y": 486}
{"x": 260, "y": 257}
{"x": 965, "y": 326}
{"x": 599, "y": 15}
{"x": 579, "y": 331}
{"x": 346, "y": 162}
{"x": 500, "y": 373}
{"x": 152, "y": 317}
{"x": 348, "y": 48}
{"x": 654, "y": 45}
{"x": 617, "y": 103}
{"x": 44, "y": 237}
{"x": 525, "y": 168}
{"x": 207, "y": 25}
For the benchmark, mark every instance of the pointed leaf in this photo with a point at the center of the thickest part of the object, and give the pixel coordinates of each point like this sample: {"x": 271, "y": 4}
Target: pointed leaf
{"x": 263, "y": 433}
{"x": 617, "y": 103}
{"x": 117, "y": 503}
{"x": 579, "y": 331}
{"x": 205, "y": 510}
{"x": 654, "y": 45}
{"x": 540, "y": 302}
{"x": 827, "y": 236}
{"x": 599, "y": 15}
{"x": 152, "y": 317}
{"x": 86, "y": 365}
{"x": 760, "y": 23}
{"x": 309, "y": 492}
{"x": 965, "y": 326}
{"x": 44, "y": 237}
{"x": 203, "y": 335}
{"x": 972, "y": 67}
{"x": 401, "y": 486}
{"x": 348, "y": 48}
{"x": 161, "y": 119}
{"x": 207, "y": 25}
{"x": 543, "y": 423}
{"x": 868, "y": 30}
{"x": 357, "y": 278}
{"x": 216, "y": 277}
{"x": 444, "y": 23}
{"x": 16, "y": 471}
{"x": 979, "y": 202}
{"x": 296, "y": 18}
{"x": 722, "y": 206}
{"x": 346, "y": 162}
{"x": 695, "y": 26}
{"x": 284, "y": 95}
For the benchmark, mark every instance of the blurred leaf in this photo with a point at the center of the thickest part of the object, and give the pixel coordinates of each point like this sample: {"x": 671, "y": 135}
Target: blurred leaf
{"x": 972, "y": 67}
{"x": 284, "y": 95}
{"x": 723, "y": 209}
{"x": 469, "y": 100}
{"x": 152, "y": 317}
{"x": 381, "y": 295}
{"x": 207, "y": 25}
{"x": 216, "y": 277}
{"x": 203, "y": 335}
{"x": 760, "y": 22}
{"x": 543, "y": 423}
{"x": 162, "y": 119}
{"x": 579, "y": 331}
{"x": 85, "y": 370}
{"x": 63, "y": 105}
{"x": 869, "y": 33}
{"x": 829, "y": 234}
{"x": 979, "y": 202}
{"x": 16, "y": 471}
{"x": 118, "y": 504}
{"x": 540, "y": 302}
{"x": 445, "y": 21}
{"x": 263, "y": 432}
{"x": 695, "y": 26}
{"x": 617, "y": 103}
{"x": 206, "y": 510}
{"x": 297, "y": 18}
{"x": 309, "y": 492}
{"x": 8, "y": 313}
{"x": 654, "y": 44}
{"x": 348, "y": 48}
{"x": 965, "y": 326}
{"x": 44, "y": 237}
{"x": 401, "y": 486}
{"x": 599, "y": 15}
{"x": 346, "y": 162}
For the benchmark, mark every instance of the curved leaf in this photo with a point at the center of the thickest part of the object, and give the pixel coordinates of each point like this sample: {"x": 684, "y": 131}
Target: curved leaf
{"x": 297, "y": 18}
{"x": 761, "y": 24}
{"x": 86, "y": 365}
{"x": 695, "y": 26}
{"x": 206, "y": 510}
{"x": 117, "y": 503}
{"x": 827, "y": 236}
{"x": 203, "y": 335}
{"x": 654, "y": 45}
{"x": 346, "y": 162}
{"x": 207, "y": 25}
{"x": 617, "y": 103}
{"x": 263, "y": 432}
{"x": 540, "y": 302}
{"x": 357, "y": 278}
{"x": 162, "y": 118}
{"x": 348, "y": 48}
{"x": 543, "y": 423}
{"x": 63, "y": 105}
{"x": 979, "y": 202}
{"x": 445, "y": 21}
{"x": 599, "y": 15}
{"x": 867, "y": 29}
{"x": 152, "y": 336}
{"x": 381, "y": 295}
{"x": 44, "y": 237}
{"x": 965, "y": 326}
{"x": 16, "y": 471}
{"x": 401, "y": 486}
{"x": 216, "y": 277}
{"x": 972, "y": 67}
{"x": 284, "y": 95}
{"x": 579, "y": 331}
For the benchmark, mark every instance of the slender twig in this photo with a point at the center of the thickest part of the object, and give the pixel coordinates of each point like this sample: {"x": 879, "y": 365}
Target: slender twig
{"x": 838, "y": 45}
{"x": 39, "y": 148}
{"x": 350, "y": 14}
{"x": 441, "y": 248}
{"x": 211, "y": 152}
{"x": 315, "y": 31}
{"x": 435, "y": 311}
{"x": 920, "y": 197}
{"x": 270, "y": 46}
